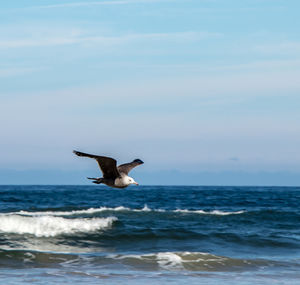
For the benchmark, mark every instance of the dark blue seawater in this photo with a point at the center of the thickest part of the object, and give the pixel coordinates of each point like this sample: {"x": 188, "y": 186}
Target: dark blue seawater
{"x": 150, "y": 235}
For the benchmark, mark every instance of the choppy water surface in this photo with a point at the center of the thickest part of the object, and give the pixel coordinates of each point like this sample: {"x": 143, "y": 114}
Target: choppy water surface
{"x": 150, "y": 234}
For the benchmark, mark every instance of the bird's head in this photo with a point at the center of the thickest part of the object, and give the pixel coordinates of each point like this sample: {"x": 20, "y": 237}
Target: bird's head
{"x": 130, "y": 180}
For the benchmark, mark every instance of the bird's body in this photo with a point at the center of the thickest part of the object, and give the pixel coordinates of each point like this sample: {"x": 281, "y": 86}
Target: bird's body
{"x": 113, "y": 175}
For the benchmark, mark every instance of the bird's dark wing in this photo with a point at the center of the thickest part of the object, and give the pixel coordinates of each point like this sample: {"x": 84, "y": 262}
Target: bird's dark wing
{"x": 107, "y": 165}
{"x": 126, "y": 167}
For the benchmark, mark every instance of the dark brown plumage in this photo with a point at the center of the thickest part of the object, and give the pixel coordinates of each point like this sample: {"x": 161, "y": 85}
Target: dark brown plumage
{"x": 113, "y": 175}
{"x": 126, "y": 167}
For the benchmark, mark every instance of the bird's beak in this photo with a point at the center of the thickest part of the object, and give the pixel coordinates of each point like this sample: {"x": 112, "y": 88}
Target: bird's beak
{"x": 136, "y": 183}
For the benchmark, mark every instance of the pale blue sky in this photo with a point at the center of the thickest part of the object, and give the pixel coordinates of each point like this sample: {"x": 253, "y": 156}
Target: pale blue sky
{"x": 186, "y": 85}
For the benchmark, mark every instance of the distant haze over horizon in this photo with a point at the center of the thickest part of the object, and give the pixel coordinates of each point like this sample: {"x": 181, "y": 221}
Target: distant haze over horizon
{"x": 204, "y": 92}
{"x": 171, "y": 177}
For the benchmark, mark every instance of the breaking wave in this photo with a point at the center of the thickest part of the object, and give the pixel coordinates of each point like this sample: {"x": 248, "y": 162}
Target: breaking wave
{"x": 214, "y": 212}
{"x": 124, "y": 209}
{"x": 50, "y": 226}
{"x": 167, "y": 261}
{"x": 191, "y": 261}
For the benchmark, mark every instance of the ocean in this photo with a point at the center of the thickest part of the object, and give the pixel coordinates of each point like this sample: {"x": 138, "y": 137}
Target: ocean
{"x": 149, "y": 235}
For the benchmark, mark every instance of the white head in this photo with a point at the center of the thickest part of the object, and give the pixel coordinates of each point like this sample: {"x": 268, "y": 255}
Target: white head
{"x": 130, "y": 180}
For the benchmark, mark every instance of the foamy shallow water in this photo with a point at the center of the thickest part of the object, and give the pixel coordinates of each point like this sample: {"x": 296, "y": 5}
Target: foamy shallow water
{"x": 174, "y": 235}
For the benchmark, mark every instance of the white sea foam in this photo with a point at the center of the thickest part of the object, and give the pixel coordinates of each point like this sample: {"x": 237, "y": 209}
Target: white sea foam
{"x": 82, "y": 212}
{"x": 71, "y": 213}
{"x": 169, "y": 260}
{"x": 49, "y": 226}
{"x": 214, "y": 212}
{"x": 121, "y": 209}
{"x": 66, "y": 213}
{"x": 178, "y": 260}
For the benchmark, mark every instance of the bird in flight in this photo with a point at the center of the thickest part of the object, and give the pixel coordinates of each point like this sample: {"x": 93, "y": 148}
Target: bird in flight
{"x": 113, "y": 175}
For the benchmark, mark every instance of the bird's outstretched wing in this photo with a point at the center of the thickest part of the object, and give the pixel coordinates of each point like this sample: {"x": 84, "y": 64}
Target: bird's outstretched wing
{"x": 107, "y": 165}
{"x": 126, "y": 167}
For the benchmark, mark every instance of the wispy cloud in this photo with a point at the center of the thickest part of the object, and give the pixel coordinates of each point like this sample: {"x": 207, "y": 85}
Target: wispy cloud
{"x": 23, "y": 43}
{"x": 260, "y": 65}
{"x": 70, "y": 39}
{"x": 99, "y": 3}
{"x": 15, "y": 71}
{"x": 285, "y": 48}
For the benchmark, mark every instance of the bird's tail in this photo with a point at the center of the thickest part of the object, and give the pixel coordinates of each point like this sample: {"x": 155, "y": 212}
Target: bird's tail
{"x": 96, "y": 180}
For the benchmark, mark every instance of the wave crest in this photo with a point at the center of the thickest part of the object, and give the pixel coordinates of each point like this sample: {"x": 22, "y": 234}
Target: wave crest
{"x": 125, "y": 209}
{"x": 50, "y": 226}
{"x": 191, "y": 261}
{"x": 214, "y": 212}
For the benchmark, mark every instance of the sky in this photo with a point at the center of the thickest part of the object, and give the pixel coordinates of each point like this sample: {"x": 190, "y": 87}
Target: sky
{"x": 205, "y": 92}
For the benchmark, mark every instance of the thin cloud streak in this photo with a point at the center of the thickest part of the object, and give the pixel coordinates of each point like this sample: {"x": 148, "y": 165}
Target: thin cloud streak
{"x": 284, "y": 48}
{"x": 23, "y": 43}
{"x": 15, "y": 71}
{"x": 87, "y": 4}
{"x": 107, "y": 40}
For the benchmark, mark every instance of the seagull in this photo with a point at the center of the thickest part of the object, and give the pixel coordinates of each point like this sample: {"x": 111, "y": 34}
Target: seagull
{"x": 113, "y": 175}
